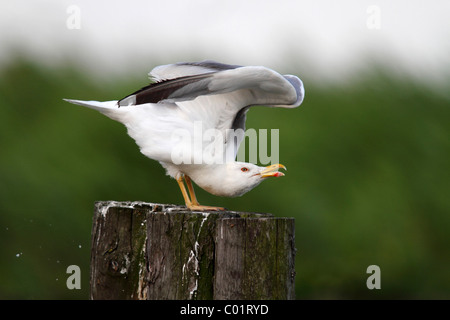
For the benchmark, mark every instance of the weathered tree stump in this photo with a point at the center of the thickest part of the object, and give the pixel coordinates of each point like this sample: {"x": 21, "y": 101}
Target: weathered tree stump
{"x": 157, "y": 251}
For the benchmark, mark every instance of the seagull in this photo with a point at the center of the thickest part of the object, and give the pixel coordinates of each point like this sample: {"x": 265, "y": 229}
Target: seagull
{"x": 187, "y": 120}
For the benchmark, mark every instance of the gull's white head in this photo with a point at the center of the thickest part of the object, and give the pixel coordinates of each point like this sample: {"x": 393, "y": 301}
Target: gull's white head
{"x": 233, "y": 179}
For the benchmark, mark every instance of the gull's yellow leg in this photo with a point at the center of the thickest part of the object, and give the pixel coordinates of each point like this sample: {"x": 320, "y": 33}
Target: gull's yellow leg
{"x": 183, "y": 191}
{"x": 191, "y": 191}
{"x": 193, "y": 204}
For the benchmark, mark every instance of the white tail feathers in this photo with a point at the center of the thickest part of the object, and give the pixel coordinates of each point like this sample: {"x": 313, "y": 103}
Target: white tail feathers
{"x": 108, "y": 108}
{"x": 96, "y": 105}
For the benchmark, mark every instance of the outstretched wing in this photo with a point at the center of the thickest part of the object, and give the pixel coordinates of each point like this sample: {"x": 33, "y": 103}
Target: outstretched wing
{"x": 217, "y": 94}
{"x": 187, "y": 81}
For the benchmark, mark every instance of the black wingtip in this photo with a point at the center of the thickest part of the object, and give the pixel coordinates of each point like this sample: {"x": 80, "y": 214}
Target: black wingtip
{"x": 162, "y": 90}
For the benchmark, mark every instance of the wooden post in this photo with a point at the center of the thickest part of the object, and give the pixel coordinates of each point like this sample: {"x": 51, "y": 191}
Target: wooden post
{"x": 156, "y": 251}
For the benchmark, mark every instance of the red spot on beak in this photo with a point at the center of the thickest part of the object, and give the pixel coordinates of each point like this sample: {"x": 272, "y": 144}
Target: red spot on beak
{"x": 278, "y": 174}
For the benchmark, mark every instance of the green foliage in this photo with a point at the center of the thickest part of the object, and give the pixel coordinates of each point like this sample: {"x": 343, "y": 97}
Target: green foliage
{"x": 368, "y": 182}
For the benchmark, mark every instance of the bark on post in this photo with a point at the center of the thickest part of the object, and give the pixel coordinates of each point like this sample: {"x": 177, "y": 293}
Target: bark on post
{"x": 157, "y": 251}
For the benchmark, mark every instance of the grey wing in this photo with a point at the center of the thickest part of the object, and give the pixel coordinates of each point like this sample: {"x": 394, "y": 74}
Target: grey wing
{"x": 218, "y": 94}
{"x": 243, "y": 86}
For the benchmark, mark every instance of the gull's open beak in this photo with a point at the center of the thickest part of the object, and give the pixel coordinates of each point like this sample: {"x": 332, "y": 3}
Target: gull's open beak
{"x": 272, "y": 171}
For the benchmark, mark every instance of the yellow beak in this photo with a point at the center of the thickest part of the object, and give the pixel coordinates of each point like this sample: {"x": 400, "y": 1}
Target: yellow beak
{"x": 272, "y": 171}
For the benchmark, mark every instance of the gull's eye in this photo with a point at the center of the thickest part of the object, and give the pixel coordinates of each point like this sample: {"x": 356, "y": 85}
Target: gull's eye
{"x": 244, "y": 169}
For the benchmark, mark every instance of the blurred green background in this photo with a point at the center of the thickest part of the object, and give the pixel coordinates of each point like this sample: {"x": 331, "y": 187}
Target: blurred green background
{"x": 368, "y": 181}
